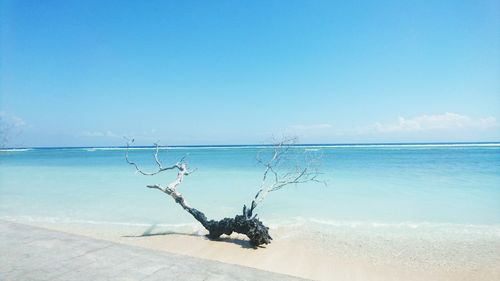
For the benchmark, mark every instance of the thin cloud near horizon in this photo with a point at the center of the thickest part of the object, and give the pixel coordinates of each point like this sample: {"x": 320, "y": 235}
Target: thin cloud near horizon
{"x": 436, "y": 122}
{"x": 432, "y": 126}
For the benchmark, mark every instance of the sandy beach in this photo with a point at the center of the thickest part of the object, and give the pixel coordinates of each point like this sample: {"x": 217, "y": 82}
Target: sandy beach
{"x": 348, "y": 140}
{"x": 358, "y": 258}
{"x": 38, "y": 254}
{"x": 389, "y": 213}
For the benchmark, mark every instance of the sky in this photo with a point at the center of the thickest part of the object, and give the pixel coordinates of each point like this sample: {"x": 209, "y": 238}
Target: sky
{"x": 88, "y": 73}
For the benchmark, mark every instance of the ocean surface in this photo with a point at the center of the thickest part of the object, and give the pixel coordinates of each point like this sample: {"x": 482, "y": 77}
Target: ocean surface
{"x": 437, "y": 188}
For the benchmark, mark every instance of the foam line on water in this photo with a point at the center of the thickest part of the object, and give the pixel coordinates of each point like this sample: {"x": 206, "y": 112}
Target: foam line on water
{"x": 94, "y": 222}
{"x": 310, "y": 147}
{"x": 301, "y": 221}
{"x": 15, "y": 149}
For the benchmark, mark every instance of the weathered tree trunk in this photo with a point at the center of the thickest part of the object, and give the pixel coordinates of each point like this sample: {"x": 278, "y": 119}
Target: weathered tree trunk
{"x": 245, "y": 223}
{"x": 253, "y": 228}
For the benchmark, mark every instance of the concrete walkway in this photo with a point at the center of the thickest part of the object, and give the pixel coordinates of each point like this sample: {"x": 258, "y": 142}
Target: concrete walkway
{"x": 31, "y": 253}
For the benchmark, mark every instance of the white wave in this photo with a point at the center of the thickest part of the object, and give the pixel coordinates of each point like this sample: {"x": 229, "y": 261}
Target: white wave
{"x": 297, "y": 226}
{"x": 301, "y": 222}
{"x": 92, "y": 149}
{"x": 423, "y": 145}
{"x": 306, "y": 147}
{"x": 218, "y": 147}
{"x": 15, "y": 149}
{"x": 58, "y": 220}
{"x": 174, "y": 148}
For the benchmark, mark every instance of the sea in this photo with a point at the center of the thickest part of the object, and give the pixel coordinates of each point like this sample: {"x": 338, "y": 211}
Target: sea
{"x": 433, "y": 191}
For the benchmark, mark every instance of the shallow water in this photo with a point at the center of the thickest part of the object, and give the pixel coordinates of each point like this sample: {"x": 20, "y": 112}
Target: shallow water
{"x": 391, "y": 188}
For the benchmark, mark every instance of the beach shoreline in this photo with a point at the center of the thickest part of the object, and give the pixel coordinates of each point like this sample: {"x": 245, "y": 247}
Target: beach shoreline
{"x": 312, "y": 258}
{"x": 391, "y": 213}
{"x": 37, "y": 254}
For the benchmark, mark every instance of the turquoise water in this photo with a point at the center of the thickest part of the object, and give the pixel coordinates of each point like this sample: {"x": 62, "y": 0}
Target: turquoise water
{"x": 367, "y": 184}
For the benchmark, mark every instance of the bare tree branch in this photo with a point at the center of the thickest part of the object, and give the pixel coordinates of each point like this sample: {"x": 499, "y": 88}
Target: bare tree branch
{"x": 158, "y": 162}
{"x": 302, "y": 173}
{"x": 160, "y": 166}
{"x": 272, "y": 180}
{"x": 170, "y": 189}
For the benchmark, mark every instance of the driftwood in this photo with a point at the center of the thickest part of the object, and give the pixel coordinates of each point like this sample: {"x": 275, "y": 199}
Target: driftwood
{"x": 247, "y": 223}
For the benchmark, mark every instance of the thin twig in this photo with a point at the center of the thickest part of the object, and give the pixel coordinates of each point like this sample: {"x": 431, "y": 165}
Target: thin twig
{"x": 302, "y": 173}
{"x": 160, "y": 166}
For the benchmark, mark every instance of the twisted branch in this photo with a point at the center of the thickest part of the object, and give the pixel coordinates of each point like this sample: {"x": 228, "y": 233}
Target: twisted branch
{"x": 256, "y": 231}
{"x": 170, "y": 189}
{"x": 302, "y": 173}
{"x": 158, "y": 162}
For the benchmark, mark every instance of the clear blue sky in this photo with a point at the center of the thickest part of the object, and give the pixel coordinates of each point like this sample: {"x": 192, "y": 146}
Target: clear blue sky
{"x": 77, "y": 73}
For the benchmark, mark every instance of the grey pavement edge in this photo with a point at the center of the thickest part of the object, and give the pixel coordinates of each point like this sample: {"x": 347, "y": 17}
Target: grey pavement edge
{"x": 32, "y": 253}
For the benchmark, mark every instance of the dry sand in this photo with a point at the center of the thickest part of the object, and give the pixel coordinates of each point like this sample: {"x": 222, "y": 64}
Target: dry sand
{"x": 316, "y": 259}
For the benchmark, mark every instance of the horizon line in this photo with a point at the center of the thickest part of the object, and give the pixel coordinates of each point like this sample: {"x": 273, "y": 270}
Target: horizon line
{"x": 261, "y": 145}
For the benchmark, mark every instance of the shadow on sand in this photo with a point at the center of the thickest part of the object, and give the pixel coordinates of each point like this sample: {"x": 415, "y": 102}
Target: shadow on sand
{"x": 240, "y": 242}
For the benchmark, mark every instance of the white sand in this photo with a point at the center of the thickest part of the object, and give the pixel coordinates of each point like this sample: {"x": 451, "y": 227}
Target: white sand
{"x": 331, "y": 258}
